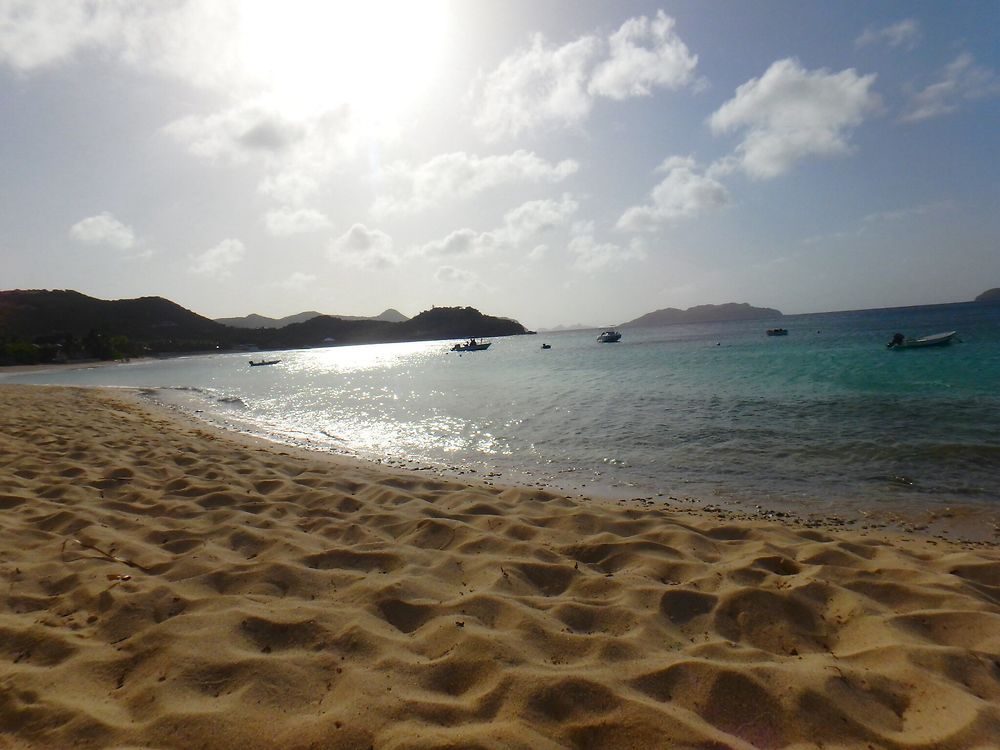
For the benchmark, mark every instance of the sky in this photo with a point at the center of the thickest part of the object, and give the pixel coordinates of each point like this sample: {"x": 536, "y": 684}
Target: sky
{"x": 557, "y": 162}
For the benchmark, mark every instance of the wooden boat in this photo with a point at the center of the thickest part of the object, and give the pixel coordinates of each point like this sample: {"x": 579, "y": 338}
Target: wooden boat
{"x": 472, "y": 346}
{"x": 777, "y": 331}
{"x": 264, "y": 362}
{"x": 938, "y": 339}
{"x": 609, "y": 337}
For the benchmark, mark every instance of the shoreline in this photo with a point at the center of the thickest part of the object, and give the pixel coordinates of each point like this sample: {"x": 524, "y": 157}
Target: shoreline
{"x": 90, "y": 364}
{"x": 942, "y": 483}
{"x": 167, "y": 584}
{"x": 974, "y": 524}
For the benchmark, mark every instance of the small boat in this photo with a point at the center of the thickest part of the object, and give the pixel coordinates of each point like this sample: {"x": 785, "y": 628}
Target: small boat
{"x": 609, "y": 337}
{"x": 472, "y": 346}
{"x": 546, "y": 346}
{"x": 938, "y": 339}
{"x": 777, "y": 331}
{"x": 264, "y": 362}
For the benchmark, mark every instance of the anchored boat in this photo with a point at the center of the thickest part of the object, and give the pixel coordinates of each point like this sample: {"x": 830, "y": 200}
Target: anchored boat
{"x": 938, "y": 339}
{"x": 472, "y": 346}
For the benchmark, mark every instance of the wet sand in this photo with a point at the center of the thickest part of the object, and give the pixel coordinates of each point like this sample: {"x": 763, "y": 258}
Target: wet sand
{"x": 165, "y": 585}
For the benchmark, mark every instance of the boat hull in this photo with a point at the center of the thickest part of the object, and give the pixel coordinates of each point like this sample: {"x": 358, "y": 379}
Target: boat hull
{"x": 938, "y": 339}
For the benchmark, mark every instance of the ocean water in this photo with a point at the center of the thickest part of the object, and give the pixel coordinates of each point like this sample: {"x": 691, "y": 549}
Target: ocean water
{"x": 821, "y": 420}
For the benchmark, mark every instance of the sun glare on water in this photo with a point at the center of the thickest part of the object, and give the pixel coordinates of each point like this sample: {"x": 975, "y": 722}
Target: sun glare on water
{"x": 378, "y": 56}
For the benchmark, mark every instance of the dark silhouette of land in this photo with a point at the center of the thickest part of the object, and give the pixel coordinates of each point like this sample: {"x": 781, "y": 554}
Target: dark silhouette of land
{"x": 39, "y": 326}
{"x": 62, "y": 325}
{"x": 703, "y": 314}
{"x": 253, "y": 320}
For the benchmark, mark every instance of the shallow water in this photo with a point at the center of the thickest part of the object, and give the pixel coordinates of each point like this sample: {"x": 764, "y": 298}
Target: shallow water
{"x": 821, "y": 419}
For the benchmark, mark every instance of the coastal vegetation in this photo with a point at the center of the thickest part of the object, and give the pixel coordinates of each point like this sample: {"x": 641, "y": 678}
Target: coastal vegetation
{"x": 42, "y": 326}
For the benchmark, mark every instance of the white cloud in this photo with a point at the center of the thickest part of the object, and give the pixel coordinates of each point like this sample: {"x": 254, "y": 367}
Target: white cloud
{"x": 362, "y": 247}
{"x": 535, "y": 217}
{"x": 446, "y": 177}
{"x": 905, "y": 33}
{"x": 903, "y": 214}
{"x": 538, "y": 86}
{"x": 537, "y": 253}
{"x": 634, "y": 69}
{"x": 327, "y": 141}
{"x": 682, "y": 194}
{"x": 290, "y": 185}
{"x": 191, "y": 41}
{"x": 33, "y": 35}
{"x": 676, "y": 162}
{"x": 236, "y": 134}
{"x": 960, "y": 80}
{"x": 288, "y": 112}
{"x": 460, "y": 243}
{"x": 310, "y": 55}
{"x": 103, "y": 229}
{"x": 591, "y": 255}
{"x": 219, "y": 260}
{"x": 722, "y": 167}
{"x": 791, "y": 113}
{"x": 520, "y": 227}
{"x": 456, "y": 276}
{"x": 545, "y": 86}
{"x": 286, "y": 221}
{"x": 297, "y": 156}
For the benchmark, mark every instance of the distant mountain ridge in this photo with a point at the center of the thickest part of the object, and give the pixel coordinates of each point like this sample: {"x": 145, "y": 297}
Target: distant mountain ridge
{"x": 56, "y": 325}
{"x": 436, "y": 323}
{"x": 41, "y": 312}
{"x": 703, "y": 314}
{"x": 990, "y": 295}
{"x": 262, "y": 321}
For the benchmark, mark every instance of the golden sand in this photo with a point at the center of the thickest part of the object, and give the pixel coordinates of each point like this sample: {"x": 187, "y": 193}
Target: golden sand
{"x": 165, "y": 586}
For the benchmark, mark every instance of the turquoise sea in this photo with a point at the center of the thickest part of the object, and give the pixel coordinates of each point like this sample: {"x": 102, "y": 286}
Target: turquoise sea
{"x": 819, "y": 421}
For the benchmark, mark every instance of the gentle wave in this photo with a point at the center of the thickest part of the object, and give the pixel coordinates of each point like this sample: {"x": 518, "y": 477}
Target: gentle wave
{"x": 824, "y": 416}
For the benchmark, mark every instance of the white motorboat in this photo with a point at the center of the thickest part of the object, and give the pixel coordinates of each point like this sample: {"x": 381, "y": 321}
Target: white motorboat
{"x": 938, "y": 339}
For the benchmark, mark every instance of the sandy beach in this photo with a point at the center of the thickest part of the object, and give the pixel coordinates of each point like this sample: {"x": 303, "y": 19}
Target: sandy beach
{"x": 165, "y": 585}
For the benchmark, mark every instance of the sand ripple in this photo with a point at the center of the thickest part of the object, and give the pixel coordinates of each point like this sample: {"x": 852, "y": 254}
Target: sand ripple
{"x": 279, "y": 600}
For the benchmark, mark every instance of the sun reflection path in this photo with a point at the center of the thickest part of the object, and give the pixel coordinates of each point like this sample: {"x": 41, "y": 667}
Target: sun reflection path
{"x": 356, "y": 359}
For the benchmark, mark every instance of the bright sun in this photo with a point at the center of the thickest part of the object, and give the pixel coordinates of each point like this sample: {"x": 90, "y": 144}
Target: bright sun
{"x": 313, "y": 55}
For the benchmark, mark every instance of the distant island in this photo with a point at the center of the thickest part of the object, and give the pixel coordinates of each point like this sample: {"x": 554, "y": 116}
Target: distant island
{"x": 262, "y": 321}
{"x": 38, "y": 326}
{"x": 703, "y": 314}
{"x": 990, "y": 295}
